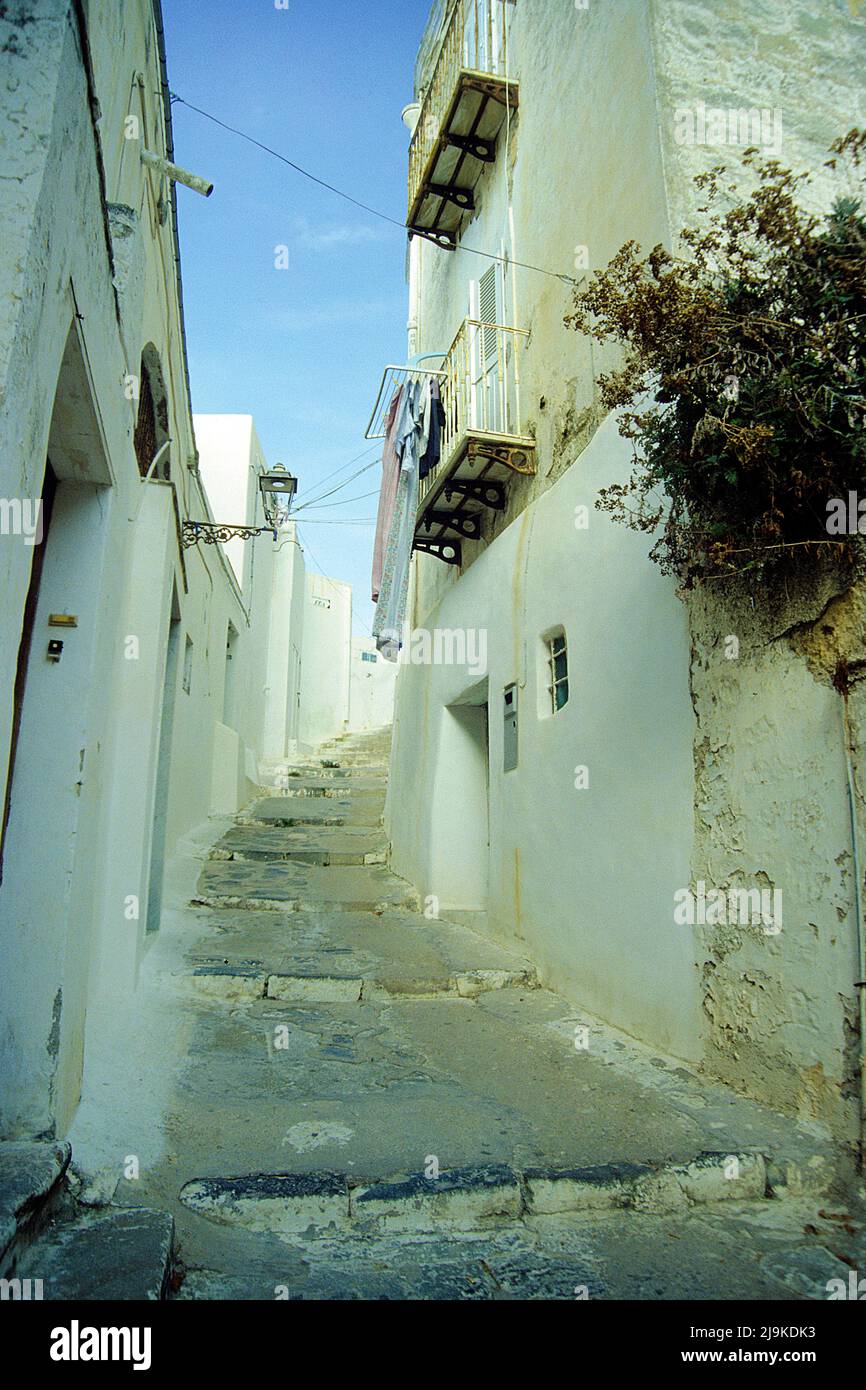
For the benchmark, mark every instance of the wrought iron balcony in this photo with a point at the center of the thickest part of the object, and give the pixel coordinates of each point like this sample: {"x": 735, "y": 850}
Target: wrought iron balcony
{"x": 484, "y": 440}
{"x": 462, "y": 113}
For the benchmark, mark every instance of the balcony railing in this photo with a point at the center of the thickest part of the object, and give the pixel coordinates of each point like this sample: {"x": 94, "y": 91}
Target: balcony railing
{"x": 462, "y": 112}
{"x": 484, "y": 438}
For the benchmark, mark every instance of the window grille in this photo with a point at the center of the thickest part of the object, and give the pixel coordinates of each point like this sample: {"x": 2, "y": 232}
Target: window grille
{"x": 557, "y": 662}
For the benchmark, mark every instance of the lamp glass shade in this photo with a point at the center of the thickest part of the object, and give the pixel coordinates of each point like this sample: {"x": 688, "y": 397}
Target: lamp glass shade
{"x": 279, "y": 485}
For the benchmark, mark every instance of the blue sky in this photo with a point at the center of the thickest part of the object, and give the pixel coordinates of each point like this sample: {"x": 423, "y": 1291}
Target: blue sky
{"x": 302, "y": 349}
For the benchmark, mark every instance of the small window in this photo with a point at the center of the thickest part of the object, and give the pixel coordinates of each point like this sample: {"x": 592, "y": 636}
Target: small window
{"x": 369, "y": 656}
{"x": 557, "y": 671}
{"x": 231, "y": 678}
{"x": 187, "y": 666}
{"x": 511, "y": 735}
{"x": 144, "y": 439}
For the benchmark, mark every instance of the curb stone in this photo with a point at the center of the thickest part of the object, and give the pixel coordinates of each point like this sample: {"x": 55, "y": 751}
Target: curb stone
{"x": 477, "y": 1195}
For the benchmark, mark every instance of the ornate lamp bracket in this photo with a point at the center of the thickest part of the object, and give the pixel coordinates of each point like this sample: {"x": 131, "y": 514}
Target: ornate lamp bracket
{"x": 212, "y": 533}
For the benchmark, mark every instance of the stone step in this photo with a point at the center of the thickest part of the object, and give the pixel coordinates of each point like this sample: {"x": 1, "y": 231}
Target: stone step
{"x": 346, "y": 761}
{"x": 326, "y": 845}
{"x": 356, "y": 738}
{"x": 124, "y": 1254}
{"x": 248, "y": 980}
{"x": 32, "y": 1185}
{"x": 391, "y": 955}
{"x": 334, "y": 787}
{"x": 506, "y": 1077}
{"x": 290, "y": 887}
{"x": 469, "y": 1198}
{"x": 373, "y": 744}
{"x": 336, "y": 772}
{"x": 290, "y": 812}
{"x": 345, "y": 754}
{"x": 756, "y": 1251}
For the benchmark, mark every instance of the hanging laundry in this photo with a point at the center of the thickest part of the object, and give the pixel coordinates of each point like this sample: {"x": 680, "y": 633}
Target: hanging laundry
{"x": 387, "y": 492}
{"x": 424, "y": 406}
{"x": 390, "y": 616}
{"x": 433, "y": 451}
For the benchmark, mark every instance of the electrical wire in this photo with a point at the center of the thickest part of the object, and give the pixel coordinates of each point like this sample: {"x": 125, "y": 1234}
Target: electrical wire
{"x": 314, "y": 501}
{"x": 284, "y": 160}
{"x": 306, "y": 546}
{"x": 343, "y": 466}
{"x": 374, "y": 212}
{"x": 345, "y": 502}
{"x": 319, "y": 496}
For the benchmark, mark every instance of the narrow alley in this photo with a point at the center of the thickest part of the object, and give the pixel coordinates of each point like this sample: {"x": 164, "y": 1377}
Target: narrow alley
{"x": 432, "y": 669}
{"x": 364, "y": 1102}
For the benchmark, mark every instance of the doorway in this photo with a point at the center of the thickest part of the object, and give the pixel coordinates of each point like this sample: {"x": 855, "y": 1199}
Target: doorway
{"x": 230, "y": 694}
{"x": 51, "y": 821}
{"x": 156, "y": 878}
{"x": 49, "y": 490}
{"x": 460, "y": 841}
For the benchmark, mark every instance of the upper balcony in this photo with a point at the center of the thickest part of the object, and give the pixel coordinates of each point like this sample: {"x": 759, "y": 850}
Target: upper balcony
{"x": 462, "y": 113}
{"x": 484, "y": 439}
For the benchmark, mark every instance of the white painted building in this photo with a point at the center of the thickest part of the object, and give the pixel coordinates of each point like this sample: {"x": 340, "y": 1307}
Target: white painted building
{"x": 372, "y": 684}
{"x": 145, "y": 682}
{"x": 572, "y": 812}
{"x": 326, "y": 659}
{"x": 305, "y": 676}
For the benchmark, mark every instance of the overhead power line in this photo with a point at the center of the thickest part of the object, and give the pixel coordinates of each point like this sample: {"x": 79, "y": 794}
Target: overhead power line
{"x": 330, "y": 581}
{"x": 343, "y": 466}
{"x": 365, "y": 207}
{"x": 284, "y": 160}
{"x": 314, "y": 501}
{"x": 325, "y": 506}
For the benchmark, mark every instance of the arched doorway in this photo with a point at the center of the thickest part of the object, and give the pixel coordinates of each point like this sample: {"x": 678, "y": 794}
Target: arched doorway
{"x": 51, "y": 797}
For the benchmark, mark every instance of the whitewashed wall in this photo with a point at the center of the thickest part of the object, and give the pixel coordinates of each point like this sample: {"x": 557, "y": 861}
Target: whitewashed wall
{"x": 87, "y": 282}
{"x": 582, "y": 879}
{"x": 372, "y": 685}
{"x": 698, "y": 768}
{"x": 326, "y": 659}
{"x": 285, "y": 650}
{"x": 256, "y": 703}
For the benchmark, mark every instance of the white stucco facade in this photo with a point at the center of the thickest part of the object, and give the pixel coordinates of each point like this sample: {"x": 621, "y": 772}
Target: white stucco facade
{"x": 372, "y": 685}
{"x": 326, "y": 659}
{"x": 668, "y": 765}
{"x": 179, "y": 673}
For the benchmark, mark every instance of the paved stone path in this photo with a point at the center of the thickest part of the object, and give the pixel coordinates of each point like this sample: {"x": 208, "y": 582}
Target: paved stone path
{"x": 353, "y": 1101}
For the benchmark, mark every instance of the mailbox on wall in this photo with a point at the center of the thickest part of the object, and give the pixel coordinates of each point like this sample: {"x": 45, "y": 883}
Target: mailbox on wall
{"x": 510, "y": 730}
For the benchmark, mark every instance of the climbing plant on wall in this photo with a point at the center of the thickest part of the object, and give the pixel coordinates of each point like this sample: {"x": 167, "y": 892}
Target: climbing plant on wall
{"x": 742, "y": 384}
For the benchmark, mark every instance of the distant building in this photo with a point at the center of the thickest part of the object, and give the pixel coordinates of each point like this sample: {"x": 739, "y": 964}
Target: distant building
{"x": 371, "y": 687}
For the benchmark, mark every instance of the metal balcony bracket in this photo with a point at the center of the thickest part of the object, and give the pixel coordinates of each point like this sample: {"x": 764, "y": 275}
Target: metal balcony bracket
{"x": 486, "y": 493}
{"x": 506, "y": 93}
{"x": 449, "y": 551}
{"x": 485, "y": 150}
{"x": 439, "y": 237}
{"x": 466, "y": 524}
{"x": 461, "y": 197}
{"x": 512, "y": 456}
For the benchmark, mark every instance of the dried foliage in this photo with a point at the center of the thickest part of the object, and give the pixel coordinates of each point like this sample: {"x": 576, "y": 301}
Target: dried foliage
{"x": 743, "y": 384}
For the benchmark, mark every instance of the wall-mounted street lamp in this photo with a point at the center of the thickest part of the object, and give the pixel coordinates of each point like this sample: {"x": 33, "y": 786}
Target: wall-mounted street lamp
{"x": 277, "y": 488}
